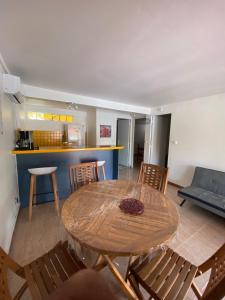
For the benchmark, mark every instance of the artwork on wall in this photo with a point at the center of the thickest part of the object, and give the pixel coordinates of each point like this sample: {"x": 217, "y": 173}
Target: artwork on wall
{"x": 105, "y": 131}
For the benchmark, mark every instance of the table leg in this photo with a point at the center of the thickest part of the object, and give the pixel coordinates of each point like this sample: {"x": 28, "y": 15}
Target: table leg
{"x": 124, "y": 285}
{"x": 101, "y": 263}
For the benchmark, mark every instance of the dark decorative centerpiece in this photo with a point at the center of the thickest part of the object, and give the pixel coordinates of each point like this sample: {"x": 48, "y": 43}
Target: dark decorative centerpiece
{"x": 132, "y": 206}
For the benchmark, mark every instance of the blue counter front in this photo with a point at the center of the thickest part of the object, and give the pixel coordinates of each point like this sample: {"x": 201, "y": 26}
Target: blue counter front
{"x": 62, "y": 160}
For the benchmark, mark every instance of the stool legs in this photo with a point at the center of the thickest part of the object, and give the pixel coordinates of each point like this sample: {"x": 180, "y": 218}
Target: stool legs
{"x": 103, "y": 172}
{"x": 55, "y": 191}
{"x": 32, "y": 188}
{"x": 32, "y": 194}
{"x": 35, "y": 192}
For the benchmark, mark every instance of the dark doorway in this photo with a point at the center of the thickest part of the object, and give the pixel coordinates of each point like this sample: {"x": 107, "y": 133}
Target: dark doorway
{"x": 139, "y": 141}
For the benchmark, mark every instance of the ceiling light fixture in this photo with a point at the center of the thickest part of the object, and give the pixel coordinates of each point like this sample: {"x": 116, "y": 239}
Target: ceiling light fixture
{"x": 72, "y": 106}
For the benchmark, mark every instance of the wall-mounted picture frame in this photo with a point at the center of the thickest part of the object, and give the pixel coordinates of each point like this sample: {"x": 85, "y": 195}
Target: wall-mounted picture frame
{"x": 105, "y": 131}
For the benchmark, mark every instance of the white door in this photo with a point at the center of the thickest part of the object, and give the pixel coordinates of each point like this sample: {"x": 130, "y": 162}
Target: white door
{"x": 152, "y": 140}
{"x": 148, "y": 137}
{"x": 156, "y": 141}
{"x": 123, "y": 133}
{"x": 160, "y": 139}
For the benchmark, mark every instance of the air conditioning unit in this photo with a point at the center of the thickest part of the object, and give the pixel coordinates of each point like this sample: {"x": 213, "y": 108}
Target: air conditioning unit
{"x": 12, "y": 87}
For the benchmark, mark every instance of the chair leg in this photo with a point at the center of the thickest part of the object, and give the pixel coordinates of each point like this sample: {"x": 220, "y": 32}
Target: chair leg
{"x": 135, "y": 287}
{"x": 103, "y": 171}
{"x": 32, "y": 184}
{"x": 182, "y": 202}
{"x": 55, "y": 191}
{"x": 196, "y": 291}
{"x": 130, "y": 261}
{"x": 125, "y": 287}
{"x": 21, "y": 292}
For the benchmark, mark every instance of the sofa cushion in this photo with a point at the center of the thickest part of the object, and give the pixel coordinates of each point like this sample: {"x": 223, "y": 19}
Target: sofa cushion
{"x": 208, "y": 197}
{"x": 210, "y": 180}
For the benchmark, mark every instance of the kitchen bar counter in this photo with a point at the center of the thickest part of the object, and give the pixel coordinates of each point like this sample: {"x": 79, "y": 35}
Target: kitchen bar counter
{"x": 66, "y": 149}
{"x": 62, "y": 158}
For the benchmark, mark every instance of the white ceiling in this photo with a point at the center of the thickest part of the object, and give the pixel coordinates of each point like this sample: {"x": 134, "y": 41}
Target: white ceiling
{"x": 141, "y": 52}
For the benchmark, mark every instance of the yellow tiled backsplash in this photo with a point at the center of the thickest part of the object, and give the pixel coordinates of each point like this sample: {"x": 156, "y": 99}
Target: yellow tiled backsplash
{"x": 47, "y": 138}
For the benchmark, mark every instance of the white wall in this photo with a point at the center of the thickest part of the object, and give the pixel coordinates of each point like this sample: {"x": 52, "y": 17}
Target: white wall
{"x": 8, "y": 175}
{"x": 25, "y": 124}
{"x": 91, "y": 127}
{"x": 108, "y": 117}
{"x": 198, "y": 127}
{"x": 157, "y": 128}
{"x": 83, "y": 116}
{"x": 54, "y": 95}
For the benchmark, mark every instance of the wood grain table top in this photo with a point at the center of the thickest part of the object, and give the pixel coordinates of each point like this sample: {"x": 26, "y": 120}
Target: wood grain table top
{"x": 92, "y": 217}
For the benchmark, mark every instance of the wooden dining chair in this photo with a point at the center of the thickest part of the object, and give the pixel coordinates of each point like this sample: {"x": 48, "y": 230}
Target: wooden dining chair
{"x": 169, "y": 276}
{"x": 154, "y": 175}
{"x": 7, "y": 263}
{"x": 42, "y": 276}
{"x": 81, "y": 174}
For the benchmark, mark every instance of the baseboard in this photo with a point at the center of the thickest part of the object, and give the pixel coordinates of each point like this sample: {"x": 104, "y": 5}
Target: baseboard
{"x": 174, "y": 184}
{"x": 11, "y": 228}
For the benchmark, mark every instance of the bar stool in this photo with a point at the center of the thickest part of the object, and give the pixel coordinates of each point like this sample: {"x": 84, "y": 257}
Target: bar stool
{"x": 40, "y": 172}
{"x": 101, "y": 164}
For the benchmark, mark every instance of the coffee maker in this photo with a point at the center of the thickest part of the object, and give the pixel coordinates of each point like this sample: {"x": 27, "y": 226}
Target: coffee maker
{"x": 25, "y": 140}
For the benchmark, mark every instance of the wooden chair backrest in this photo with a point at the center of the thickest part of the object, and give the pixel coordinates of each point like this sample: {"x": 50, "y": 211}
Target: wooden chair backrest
{"x": 81, "y": 174}
{"x": 7, "y": 263}
{"x": 215, "y": 288}
{"x": 154, "y": 175}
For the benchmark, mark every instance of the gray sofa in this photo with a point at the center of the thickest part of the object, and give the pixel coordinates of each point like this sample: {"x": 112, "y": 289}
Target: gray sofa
{"x": 207, "y": 190}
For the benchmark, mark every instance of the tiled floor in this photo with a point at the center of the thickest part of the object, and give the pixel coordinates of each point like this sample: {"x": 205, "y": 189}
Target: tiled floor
{"x": 199, "y": 235}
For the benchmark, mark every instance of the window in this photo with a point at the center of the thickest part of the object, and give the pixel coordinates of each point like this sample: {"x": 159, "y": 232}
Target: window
{"x": 33, "y": 115}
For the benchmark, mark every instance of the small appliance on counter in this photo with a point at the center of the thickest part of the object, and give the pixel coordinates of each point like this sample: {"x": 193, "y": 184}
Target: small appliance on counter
{"x": 25, "y": 140}
{"x": 74, "y": 135}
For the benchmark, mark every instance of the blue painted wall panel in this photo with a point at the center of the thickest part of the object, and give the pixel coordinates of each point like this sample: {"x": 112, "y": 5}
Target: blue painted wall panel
{"x": 62, "y": 161}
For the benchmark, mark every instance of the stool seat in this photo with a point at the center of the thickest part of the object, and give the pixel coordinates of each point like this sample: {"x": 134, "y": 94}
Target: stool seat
{"x": 35, "y": 172}
{"x": 100, "y": 163}
{"x": 42, "y": 171}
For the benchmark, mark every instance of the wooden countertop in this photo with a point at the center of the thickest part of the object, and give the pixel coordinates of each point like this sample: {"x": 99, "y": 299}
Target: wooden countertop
{"x": 64, "y": 149}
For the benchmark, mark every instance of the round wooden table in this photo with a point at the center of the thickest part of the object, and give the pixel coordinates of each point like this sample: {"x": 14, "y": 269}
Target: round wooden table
{"x": 93, "y": 218}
